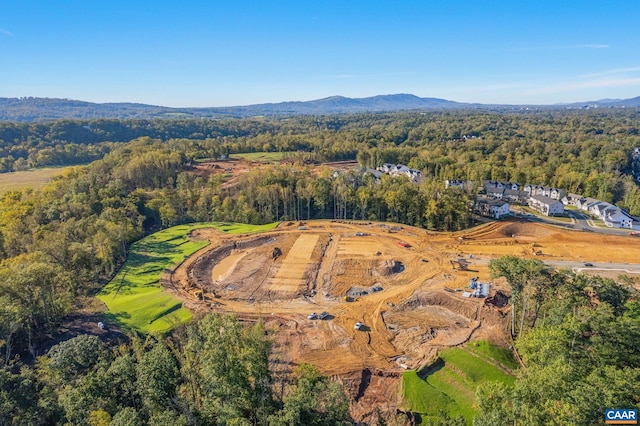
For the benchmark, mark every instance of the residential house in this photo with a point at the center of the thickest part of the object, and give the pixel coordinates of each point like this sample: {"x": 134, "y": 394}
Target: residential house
{"x": 377, "y": 174}
{"x": 400, "y": 170}
{"x": 613, "y": 216}
{"x": 499, "y": 184}
{"x": 556, "y": 193}
{"x": 454, "y": 183}
{"x": 584, "y": 203}
{"x": 546, "y": 205}
{"x": 617, "y": 218}
{"x": 385, "y": 168}
{"x": 545, "y": 191}
{"x": 492, "y": 208}
{"x": 571, "y": 199}
{"x": 515, "y": 196}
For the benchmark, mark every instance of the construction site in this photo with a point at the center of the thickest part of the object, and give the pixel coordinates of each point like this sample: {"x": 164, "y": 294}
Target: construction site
{"x": 364, "y": 301}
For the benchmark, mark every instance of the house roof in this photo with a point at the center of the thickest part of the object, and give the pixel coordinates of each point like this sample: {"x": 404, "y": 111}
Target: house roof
{"x": 498, "y": 203}
{"x": 545, "y": 200}
{"x": 494, "y": 203}
{"x": 516, "y": 192}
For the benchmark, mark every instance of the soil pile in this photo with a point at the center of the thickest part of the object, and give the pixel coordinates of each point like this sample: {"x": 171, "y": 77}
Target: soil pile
{"x": 385, "y": 268}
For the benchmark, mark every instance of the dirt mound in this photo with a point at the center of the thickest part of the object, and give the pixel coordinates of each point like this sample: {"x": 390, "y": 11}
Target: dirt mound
{"x": 518, "y": 229}
{"x": 384, "y": 268}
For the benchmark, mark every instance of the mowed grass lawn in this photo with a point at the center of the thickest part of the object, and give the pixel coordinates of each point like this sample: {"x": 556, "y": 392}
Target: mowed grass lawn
{"x": 30, "y": 178}
{"x": 451, "y": 383}
{"x": 136, "y": 299}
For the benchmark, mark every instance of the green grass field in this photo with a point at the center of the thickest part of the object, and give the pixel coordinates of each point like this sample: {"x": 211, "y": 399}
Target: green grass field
{"x": 450, "y": 384}
{"x": 30, "y": 178}
{"x": 502, "y": 355}
{"x": 134, "y": 297}
{"x": 261, "y": 156}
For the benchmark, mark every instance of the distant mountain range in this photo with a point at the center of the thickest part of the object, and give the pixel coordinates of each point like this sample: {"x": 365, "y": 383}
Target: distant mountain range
{"x": 45, "y": 109}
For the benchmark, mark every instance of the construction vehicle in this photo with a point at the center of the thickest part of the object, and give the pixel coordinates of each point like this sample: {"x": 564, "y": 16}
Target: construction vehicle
{"x": 460, "y": 264}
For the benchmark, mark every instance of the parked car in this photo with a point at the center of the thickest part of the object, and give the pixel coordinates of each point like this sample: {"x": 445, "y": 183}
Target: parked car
{"x": 312, "y": 315}
{"x": 358, "y": 325}
{"x": 323, "y": 315}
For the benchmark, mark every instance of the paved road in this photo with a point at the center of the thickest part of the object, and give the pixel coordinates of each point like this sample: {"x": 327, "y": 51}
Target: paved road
{"x": 630, "y": 268}
{"x": 579, "y": 222}
{"x": 577, "y": 266}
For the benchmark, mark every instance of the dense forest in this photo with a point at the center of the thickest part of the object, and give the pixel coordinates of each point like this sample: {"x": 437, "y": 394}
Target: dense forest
{"x": 588, "y": 152}
{"x": 58, "y": 245}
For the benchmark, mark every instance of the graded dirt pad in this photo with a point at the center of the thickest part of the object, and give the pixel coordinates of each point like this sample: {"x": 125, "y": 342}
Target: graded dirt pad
{"x": 401, "y": 283}
{"x": 292, "y": 271}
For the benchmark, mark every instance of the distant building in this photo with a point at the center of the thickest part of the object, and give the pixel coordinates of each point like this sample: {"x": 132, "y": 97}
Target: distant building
{"x": 376, "y": 173}
{"x": 496, "y": 209}
{"x": 400, "y": 170}
{"x": 571, "y": 199}
{"x": 496, "y": 184}
{"x": 458, "y": 183}
{"x": 515, "y": 196}
{"x": 617, "y": 218}
{"x": 546, "y": 205}
{"x": 545, "y": 191}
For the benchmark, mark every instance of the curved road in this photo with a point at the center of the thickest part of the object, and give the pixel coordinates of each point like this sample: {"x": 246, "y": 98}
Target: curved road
{"x": 579, "y": 222}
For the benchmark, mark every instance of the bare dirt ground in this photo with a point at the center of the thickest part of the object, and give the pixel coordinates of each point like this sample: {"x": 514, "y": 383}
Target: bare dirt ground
{"x": 398, "y": 281}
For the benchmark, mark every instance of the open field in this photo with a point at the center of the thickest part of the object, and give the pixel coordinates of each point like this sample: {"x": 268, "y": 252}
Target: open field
{"x": 267, "y": 157}
{"x": 136, "y": 299}
{"x": 399, "y": 281}
{"x": 30, "y": 178}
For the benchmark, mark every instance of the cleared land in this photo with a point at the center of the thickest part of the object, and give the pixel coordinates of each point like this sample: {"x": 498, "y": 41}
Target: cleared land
{"x": 400, "y": 282}
{"x": 266, "y": 157}
{"x": 30, "y": 178}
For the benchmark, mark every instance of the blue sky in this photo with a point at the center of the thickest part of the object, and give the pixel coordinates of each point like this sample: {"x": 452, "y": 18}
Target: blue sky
{"x": 237, "y": 52}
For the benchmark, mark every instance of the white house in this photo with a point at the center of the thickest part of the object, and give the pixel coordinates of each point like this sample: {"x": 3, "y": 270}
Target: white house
{"x": 616, "y": 218}
{"x": 493, "y": 208}
{"x": 571, "y": 199}
{"x": 499, "y": 209}
{"x": 584, "y": 203}
{"x": 454, "y": 183}
{"x": 498, "y": 184}
{"x": 385, "y": 168}
{"x": 399, "y": 169}
{"x": 546, "y": 205}
{"x": 556, "y": 193}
